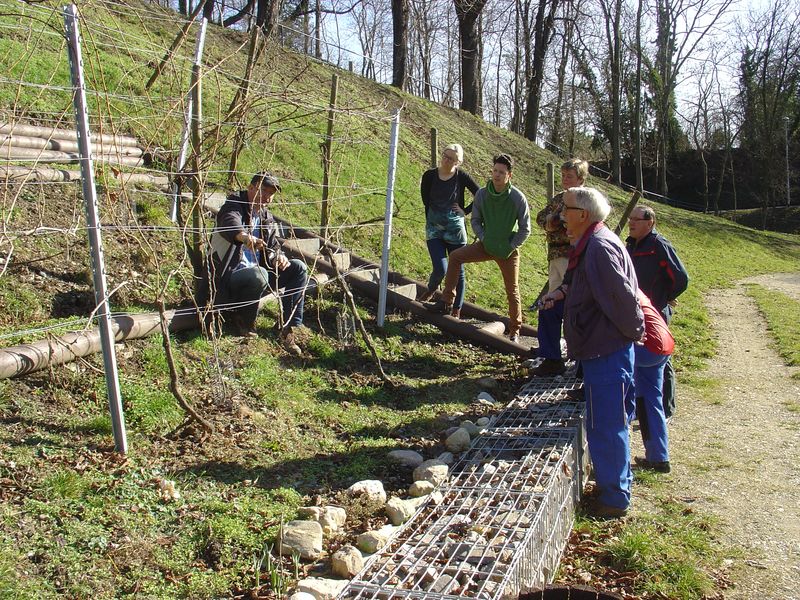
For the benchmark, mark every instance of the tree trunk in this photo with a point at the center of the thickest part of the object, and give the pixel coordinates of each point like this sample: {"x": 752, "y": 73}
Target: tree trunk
{"x": 555, "y": 130}
{"x": 267, "y": 15}
{"x": 400, "y": 43}
{"x": 208, "y": 11}
{"x": 542, "y": 34}
{"x": 616, "y": 95}
{"x": 637, "y": 113}
{"x": 468, "y": 12}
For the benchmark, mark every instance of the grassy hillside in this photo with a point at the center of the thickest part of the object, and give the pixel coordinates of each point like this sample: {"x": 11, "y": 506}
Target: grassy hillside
{"x": 779, "y": 218}
{"x": 78, "y": 521}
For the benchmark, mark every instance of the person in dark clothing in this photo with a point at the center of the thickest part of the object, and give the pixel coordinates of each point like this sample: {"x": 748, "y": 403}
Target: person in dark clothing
{"x": 248, "y": 263}
{"x": 443, "y": 190}
{"x": 662, "y": 277}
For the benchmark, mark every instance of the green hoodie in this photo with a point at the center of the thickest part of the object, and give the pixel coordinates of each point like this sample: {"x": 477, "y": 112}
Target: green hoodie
{"x": 499, "y": 221}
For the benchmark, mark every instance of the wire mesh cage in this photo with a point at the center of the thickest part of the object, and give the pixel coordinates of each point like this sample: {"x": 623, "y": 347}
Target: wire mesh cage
{"x": 499, "y": 525}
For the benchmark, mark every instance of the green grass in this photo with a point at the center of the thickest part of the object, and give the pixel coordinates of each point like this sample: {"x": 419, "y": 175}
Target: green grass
{"x": 669, "y": 547}
{"x": 782, "y": 314}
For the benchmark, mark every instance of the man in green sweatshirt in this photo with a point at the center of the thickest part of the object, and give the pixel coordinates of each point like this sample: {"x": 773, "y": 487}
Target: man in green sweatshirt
{"x": 501, "y": 221}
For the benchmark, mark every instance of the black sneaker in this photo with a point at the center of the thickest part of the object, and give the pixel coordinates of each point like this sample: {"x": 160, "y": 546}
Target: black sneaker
{"x": 659, "y": 467}
{"x": 549, "y": 368}
{"x": 438, "y": 307}
{"x": 576, "y": 395}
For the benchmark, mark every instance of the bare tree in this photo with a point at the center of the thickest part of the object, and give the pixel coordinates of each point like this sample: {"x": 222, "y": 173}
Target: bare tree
{"x": 681, "y": 27}
{"x": 468, "y": 12}
{"x": 769, "y": 87}
{"x": 537, "y": 34}
{"x": 400, "y": 13}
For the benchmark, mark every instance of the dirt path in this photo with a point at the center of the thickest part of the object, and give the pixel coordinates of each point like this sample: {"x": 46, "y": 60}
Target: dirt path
{"x": 736, "y": 447}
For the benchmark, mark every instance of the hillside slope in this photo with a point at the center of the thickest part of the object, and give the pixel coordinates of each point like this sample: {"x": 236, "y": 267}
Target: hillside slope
{"x": 77, "y": 520}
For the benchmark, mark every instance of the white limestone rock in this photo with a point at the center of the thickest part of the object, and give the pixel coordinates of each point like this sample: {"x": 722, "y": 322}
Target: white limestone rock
{"x": 303, "y": 537}
{"x": 406, "y": 458}
{"x": 420, "y": 488}
{"x": 399, "y": 511}
{"x": 472, "y": 428}
{"x": 458, "y": 442}
{"x": 371, "y": 541}
{"x": 347, "y": 561}
{"x": 446, "y": 458}
{"x": 486, "y": 398}
{"x": 372, "y": 488}
{"x": 322, "y": 589}
{"x": 433, "y": 471}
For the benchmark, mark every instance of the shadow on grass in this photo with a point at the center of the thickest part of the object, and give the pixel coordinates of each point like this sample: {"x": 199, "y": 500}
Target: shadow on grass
{"x": 312, "y": 474}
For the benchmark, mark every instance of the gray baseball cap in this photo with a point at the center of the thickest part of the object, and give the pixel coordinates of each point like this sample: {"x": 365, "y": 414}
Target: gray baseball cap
{"x": 266, "y": 179}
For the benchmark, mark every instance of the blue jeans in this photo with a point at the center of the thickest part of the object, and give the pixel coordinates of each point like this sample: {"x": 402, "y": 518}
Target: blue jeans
{"x": 648, "y": 377}
{"x": 608, "y": 390}
{"x": 548, "y": 332}
{"x": 439, "y": 251}
{"x": 250, "y": 284}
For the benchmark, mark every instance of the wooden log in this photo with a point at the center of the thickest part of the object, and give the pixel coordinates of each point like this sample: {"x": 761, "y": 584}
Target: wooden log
{"x": 19, "y": 174}
{"x": 26, "y": 358}
{"x": 65, "y": 134}
{"x": 37, "y": 143}
{"x": 495, "y": 327}
{"x": 54, "y": 156}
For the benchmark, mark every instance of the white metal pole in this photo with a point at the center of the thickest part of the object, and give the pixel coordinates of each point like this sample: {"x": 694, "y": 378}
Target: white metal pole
{"x": 187, "y": 122}
{"x": 387, "y": 220}
{"x": 93, "y": 222}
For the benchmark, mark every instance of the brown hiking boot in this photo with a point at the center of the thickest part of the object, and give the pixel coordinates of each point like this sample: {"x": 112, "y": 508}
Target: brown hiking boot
{"x": 439, "y": 307}
{"x": 289, "y": 342}
{"x": 426, "y": 295}
{"x": 242, "y": 328}
{"x": 456, "y": 312}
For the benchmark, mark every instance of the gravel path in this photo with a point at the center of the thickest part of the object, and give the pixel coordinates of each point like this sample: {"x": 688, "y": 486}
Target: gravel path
{"x": 736, "y": 447}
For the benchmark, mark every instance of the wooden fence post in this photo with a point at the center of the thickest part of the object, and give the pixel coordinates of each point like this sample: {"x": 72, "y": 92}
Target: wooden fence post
{"x": 434, "y": 147}
{"x": 326, "y": 161}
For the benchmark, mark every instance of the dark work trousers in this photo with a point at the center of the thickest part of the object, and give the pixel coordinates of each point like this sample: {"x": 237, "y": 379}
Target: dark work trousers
{"x": 250, "y": 284}
{"x": 548, "y": 331}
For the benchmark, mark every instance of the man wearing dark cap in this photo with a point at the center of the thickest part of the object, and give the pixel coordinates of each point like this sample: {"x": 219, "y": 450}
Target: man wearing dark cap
{"x": 248, "y": 263}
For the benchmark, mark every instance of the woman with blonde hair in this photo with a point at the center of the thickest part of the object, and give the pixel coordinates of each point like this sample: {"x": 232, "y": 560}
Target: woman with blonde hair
{"x": 443, "y": 190}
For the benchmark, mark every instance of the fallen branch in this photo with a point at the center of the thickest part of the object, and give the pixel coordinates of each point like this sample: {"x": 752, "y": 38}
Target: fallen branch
{"x": 173, "y": 372}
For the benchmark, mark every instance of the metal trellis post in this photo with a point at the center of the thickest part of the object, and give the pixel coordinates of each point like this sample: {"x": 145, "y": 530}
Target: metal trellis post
{"x": 93, "y": 221}
{"x": 187, "y": 125}
{"x": 387, "y": 222}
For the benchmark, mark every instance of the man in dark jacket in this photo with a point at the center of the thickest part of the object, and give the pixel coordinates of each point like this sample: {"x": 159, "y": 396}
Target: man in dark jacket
{"x": 662, "y": 277}
{"x": 247, "y": 261}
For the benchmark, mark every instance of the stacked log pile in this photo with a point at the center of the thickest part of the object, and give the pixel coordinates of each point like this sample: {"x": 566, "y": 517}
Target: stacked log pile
{"x": 24, "y": 149}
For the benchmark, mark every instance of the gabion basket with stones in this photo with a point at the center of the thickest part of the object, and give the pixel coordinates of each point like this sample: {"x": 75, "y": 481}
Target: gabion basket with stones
{"x": 505, "y": 513}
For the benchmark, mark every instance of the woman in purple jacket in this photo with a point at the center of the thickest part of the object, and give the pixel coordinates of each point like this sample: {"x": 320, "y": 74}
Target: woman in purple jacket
{"x": 602, "y": 320}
